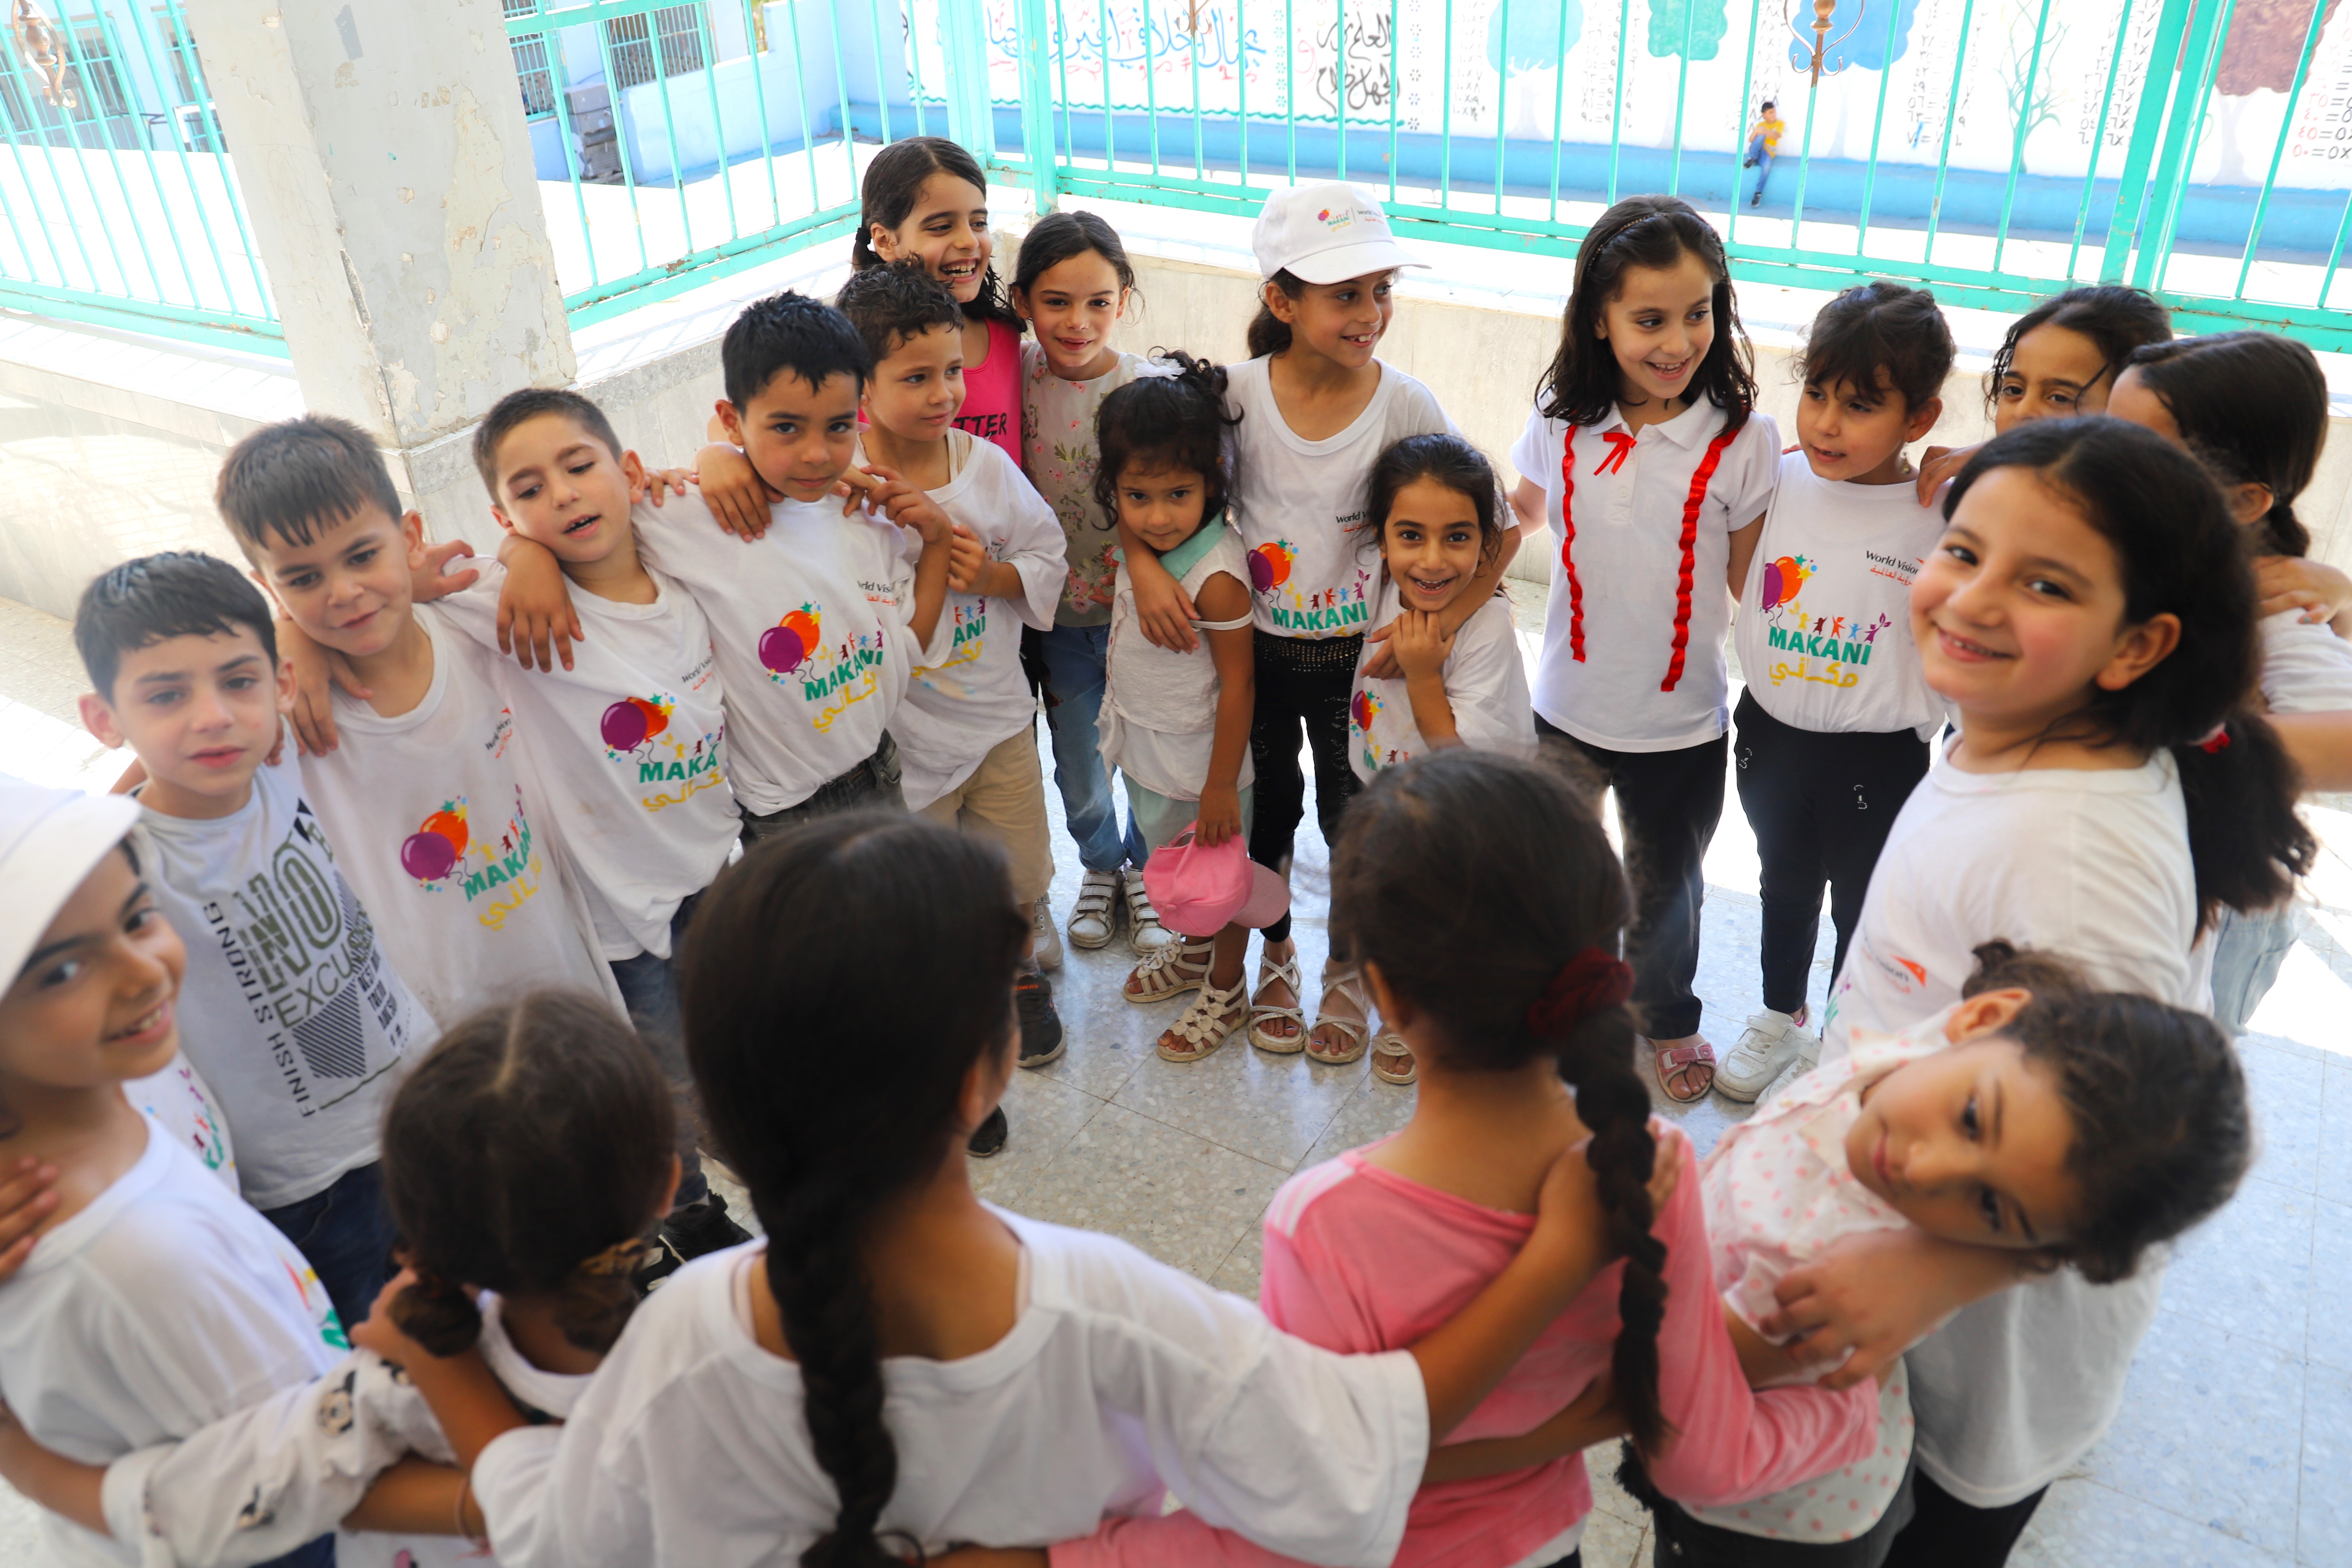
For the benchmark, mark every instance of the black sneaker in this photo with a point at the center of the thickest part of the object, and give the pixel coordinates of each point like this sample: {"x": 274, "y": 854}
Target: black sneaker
{"x": 1748, "y": 162}
{"x": 1757, "y": 200}
{"x": 702, "y": 1227}
{"x": 1040, "y": 1026}
{"x": 990, "y": 1138}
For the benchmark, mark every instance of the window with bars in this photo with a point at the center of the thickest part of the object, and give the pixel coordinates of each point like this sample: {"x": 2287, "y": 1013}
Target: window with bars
{"x": 531, "y": 73}
{"x": 180, "y": 49}
{"x": 629, "y": 43}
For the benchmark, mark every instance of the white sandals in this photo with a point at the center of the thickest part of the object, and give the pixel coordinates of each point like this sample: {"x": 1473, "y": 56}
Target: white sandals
{"x": 1347, "y": 982}
{"x": 1388, "y": 1050}
{"x": 1268, "y": 972}
{"x": 1204, "y": 1025}
{"x": 1170, "y": 971}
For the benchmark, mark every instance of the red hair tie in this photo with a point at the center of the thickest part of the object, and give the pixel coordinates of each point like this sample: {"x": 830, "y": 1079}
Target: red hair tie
{"x": 2215, "y": 742}
{"x": 1593, "y": 982}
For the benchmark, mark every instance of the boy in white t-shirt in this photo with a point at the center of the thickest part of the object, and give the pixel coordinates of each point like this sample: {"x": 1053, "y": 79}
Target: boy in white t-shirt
{"x": 152, "y": 1302}
{"x": 291, "y": 1009}
{"x": 967, "y": 731}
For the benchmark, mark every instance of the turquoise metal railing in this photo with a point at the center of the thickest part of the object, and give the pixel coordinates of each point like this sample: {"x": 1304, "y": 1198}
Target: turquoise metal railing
{"x": 117, "y": 203}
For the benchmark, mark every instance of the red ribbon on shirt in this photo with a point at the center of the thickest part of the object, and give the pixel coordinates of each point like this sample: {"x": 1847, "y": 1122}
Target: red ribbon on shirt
{"x": 1621, "y": 445}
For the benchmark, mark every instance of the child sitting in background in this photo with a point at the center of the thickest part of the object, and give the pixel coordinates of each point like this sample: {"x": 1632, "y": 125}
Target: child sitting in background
{"x": 289, "y": 1008}
{"x": 1176, "y": 724}
{"x": 152, "y": 1302}
{"x": 967, "y": 730}
{"x": 2035, "y": 1116}
{"x": 525, "y": 1157}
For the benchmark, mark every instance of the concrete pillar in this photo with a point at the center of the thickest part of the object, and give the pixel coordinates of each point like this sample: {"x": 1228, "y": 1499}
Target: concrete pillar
{"x": 386, "y": 170}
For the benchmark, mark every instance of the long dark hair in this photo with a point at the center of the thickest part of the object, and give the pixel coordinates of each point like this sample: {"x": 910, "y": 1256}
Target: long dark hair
{"x": 1057, "y": 237}
{"x": 1269, "y": 334}
{"x": 1442, "y": 459}
{"x": 2162, "y": 1132}
{"x": 839, "y": 984}
{"x": 2178, "y": 553}
{"x": 2115, "y": 318}
{"x": 2254, "y": 407}
{"x": 893, "y": 182}
{"x": 1882, "y": 336}
{"x": 1655, "y": 232}
{"x": 1167, "y": 421}
{"x": 526, "y": 1153}
{"x": 1472, "y": 879}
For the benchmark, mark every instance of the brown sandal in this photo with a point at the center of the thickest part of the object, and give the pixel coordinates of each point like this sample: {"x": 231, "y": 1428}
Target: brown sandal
{"x": 1679, "y": 1062}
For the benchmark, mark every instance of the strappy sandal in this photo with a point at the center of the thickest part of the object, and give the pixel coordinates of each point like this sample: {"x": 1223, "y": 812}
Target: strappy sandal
{"x": 1204, "y": 1025}
{"x": 1347, "y": 983}
{"x": 1268, "y": 972}
{"x": 1388, "y": 1050}
{"x": 1166, "y": 972}
{"x": 1671, "y": 1064}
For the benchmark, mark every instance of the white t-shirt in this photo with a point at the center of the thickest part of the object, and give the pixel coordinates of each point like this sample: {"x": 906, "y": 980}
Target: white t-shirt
{"x": 976, "y": 696}
{"x": 291, "y": 1008}
{"x": 1159, "y": 718}
{"x": 627, "y": 748}
{"x": 1486, "y": 684}
{"x": 809, "y": 623}
{"x": 1779, "y": 1194}
{"x": 1609, "y": 674}
{"x": 163, "y": 1306}
{"x": 2093, "y": 865}
{"x": 1299, "y": 503}
{"x": 1059, "y": 455}
{"x": 180, "y": 1098}
{"x": 1121, "y": 1380}
{"x": 440, "y": 826}
{"x": 2306, "y": 667}
{"x": 1824, "y": 627}
{"x": 260, "y": 1483}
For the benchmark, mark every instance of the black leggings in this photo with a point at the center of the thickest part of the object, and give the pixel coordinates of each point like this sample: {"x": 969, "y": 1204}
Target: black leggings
{"x": 1820, "y": 806}
{"x": 1945, "y": 1533}
{"x": 1300, "y": 680}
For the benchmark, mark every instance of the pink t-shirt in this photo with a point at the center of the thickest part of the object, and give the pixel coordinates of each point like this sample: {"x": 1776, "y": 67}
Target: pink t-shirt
{"x": 1358, "y": 1259}
{"x": 991, "y": 393}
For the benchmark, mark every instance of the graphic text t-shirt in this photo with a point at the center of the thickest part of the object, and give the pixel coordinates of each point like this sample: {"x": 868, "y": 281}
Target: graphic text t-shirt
{"x": 1486, "y": 684}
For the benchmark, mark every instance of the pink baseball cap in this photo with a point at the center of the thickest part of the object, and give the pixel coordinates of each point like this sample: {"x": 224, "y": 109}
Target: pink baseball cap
{"x": 1200, "y": 890}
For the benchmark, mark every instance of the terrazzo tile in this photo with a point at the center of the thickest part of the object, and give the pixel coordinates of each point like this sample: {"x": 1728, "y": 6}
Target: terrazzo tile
{"x": 2210, "y": 1430}
{"x": 2323, "y": 1532}
{"x": 1109, "y": 1036}
{"x": 1041, "y": 1116}
{"x": 2288, "y": 1043}
{"x": 1374, "y": 1110}
{"x": 1611, "y": 1543}
{"x": 1270, "y": 1108}
{"x": 2286, "y": 1092}
{"x": 2331, "y": 1287}
{"x": 2083, "y": 1524}
{"x": 1180, "y": 1198}
{"x": 2248, "y": 1269}
{"x": 2334, "y": 1155}
{"x": 1244, "y": 1269}
{"x": 1600, "y": 1462}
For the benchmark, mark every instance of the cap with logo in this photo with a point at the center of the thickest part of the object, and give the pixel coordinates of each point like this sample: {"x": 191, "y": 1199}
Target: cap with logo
{"x": 1325, "y": 233}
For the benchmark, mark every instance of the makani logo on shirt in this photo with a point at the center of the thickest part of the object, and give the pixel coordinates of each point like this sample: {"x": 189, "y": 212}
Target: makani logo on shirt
{"x": 1362, "y": 713}
{"x": 832, "y": 675}
{"x": 444, "y": 852}
{"x": 1330, "y": 609}
{"x": 637, "y": 734}
{"x": 1843, "y": 644}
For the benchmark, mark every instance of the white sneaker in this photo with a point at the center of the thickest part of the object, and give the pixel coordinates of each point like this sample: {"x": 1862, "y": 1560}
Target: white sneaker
{"x": 1046, "y": 945}
{"x": 1144, "y": 931}
{"x": 1769, "y": 1043}
{"x": 1092, "y": 919}
{"x": 1808, "y": 1058}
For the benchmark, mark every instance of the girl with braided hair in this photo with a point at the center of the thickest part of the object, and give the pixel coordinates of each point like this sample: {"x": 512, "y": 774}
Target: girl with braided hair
{"x": 899, "y": 1367}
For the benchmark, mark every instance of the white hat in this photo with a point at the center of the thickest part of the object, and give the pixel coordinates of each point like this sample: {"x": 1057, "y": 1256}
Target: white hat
{"x": 49, "y": 841}
{"x": 1325, "y": 233}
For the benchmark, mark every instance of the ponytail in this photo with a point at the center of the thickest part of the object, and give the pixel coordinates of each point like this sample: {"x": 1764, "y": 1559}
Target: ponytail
{"x": 1269, "y": 334}
{"x": 2253, "y": 407}
{"x": 2245, "y": 837}
{"x": 437, "y": 1314}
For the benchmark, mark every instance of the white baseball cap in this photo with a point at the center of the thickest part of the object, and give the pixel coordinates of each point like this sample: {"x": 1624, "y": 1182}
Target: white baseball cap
{"x": 1325, "y": 233}
{"x": 49, "y": 841}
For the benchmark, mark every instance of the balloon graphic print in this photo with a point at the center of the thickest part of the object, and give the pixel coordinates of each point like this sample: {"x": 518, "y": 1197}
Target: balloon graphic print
{"x": 433, "y": 851}
{"x": 783, "y": 645}
{"x": 1269, "y": 566}
{"x": 1363, "y": 709}
{"x": 1782, "y": 578}
{"x": 632, "y": 721}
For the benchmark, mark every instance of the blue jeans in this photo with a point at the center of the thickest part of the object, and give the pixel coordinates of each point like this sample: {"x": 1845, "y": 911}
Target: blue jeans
{"x": 1075, "y": 658}
{"x": 649, "y": 988}
{"x": 1763, "y": 157}
{"x": 2248, "y": 952}
{"x": 347, "y": 1234}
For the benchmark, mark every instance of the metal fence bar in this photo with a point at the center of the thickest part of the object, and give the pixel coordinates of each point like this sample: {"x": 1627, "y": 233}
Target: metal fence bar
{"x": 2024, "y": 129}
{"x": 2270, "y": 177}
{"x": 2099, "y": 137}
{"x": 147, "y": 147}
{"x": 2207, "y": 28}
{"x": 1739, "y": 121}
{"x": 2124, "y": 228}
{"x": 1617, "y": 102}
{"x": 1502, "y": 101}
{"x": 1878, "y": 124}
{"x": 1682, "y": 91}
{"x": 1339, "y": 75}
{"x": 1558, "y": 80}
{"x": 1393, "y": 78}
{"x": 1943, "y": 153}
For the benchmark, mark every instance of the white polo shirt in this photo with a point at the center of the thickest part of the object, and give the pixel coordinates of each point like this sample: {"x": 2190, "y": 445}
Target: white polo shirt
{"x": 1633, "y": 655}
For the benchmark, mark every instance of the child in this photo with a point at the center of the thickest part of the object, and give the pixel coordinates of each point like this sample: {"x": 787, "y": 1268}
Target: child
{"x": 525, "y": 1157}
{"x": 1763, "y": 141}
{"x": 2253, "y": 406}
{"x": 1177, "y": 725}
{"x": 967, "y": 730}
{"x": 152, "y": 1302}
{"x": 1434, "y": 511}
{"x": 1483, "y": 899}
{"x": 1318, "y": 409}
{"x": 1644, "y": 454}
{"x": 2036, "y": 1116}
{"x": 289, "y": 1009}
{"x": 1073, "y": 282}
{"x": 2089, "y": 614}
{"x": 900, "y": 1360}
{"x": 442, "y": 827}
{"x": 1832, "y": 727}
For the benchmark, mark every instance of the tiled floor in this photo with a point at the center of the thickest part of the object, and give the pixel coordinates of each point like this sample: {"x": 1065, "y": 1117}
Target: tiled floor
{"x": 2235, "y": 1444}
